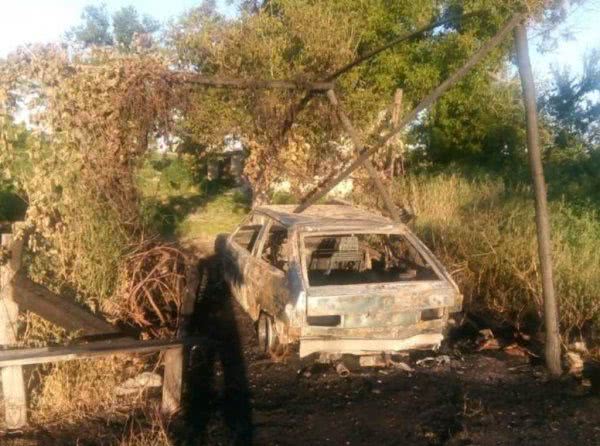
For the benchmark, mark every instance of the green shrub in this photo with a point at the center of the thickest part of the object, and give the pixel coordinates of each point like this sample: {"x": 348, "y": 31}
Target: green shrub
{"x": 178, "y": 175}
{"x": 12, "y": 207}
{"x": 166, "y": 175}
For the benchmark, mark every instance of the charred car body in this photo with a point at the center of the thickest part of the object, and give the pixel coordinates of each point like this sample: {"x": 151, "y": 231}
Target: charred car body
{"x": 337, "y": 279}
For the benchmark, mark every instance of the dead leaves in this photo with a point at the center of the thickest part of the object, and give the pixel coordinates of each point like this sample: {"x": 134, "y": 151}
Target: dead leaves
{"x": 487, "y": 341}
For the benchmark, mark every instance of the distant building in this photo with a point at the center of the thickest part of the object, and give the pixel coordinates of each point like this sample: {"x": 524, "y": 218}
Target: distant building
{"x": 228, "y": 162}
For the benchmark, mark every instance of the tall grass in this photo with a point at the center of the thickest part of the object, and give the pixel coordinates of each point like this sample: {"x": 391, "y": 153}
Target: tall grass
{"x": 484, "y": 231}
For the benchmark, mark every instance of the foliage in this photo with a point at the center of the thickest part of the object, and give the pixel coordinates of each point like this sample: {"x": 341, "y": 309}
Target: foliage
{"x": 12, "y": 201}
{"x": 202, "y": 210}
{"x": 95, "y": 29}
{"x": 127, "y": 23}
{"x": 264, "y": 45}
{"x": 95, "y": 115}
{"x": 122, "y": 29}
{"x": 12, "y": 207}
{"x": 308, "y": 40}
{"x": 571, "y": 104}
{"x": 488, "y": 130}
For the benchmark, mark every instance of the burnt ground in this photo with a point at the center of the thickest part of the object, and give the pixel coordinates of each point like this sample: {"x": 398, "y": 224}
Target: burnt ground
{"x": 238, "y": 396}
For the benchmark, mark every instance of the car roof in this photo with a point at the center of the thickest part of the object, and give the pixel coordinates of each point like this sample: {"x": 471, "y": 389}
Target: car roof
{"x": 328, "y": 217}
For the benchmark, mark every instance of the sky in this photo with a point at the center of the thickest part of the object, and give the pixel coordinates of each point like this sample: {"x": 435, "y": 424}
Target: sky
{"x": 24, "y": 21}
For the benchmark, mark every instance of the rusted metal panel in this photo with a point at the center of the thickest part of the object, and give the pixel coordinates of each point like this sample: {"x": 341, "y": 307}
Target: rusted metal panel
{"x": 327, "y": 217}
{"x": 435, "y": 326}
{"x": 416, "y": 296}
{"x": 381, "y": 318}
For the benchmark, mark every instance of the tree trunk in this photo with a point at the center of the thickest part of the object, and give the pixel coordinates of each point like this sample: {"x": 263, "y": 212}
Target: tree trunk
{"x": 541, "y": 204}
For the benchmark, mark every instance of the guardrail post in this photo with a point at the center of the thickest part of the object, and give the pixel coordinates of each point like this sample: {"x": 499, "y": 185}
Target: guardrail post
{"x": 13, "y": 386}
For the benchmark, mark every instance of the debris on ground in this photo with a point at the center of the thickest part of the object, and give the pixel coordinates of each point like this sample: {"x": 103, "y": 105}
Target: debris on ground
{"x": 487, "y": 340}
{"x": 431, "y": 361}
{"x": 384, "y": 361}
{"x": 575, "y": 363}
{"x": 400, "y": 365}
{"x": 342, "y": 370}
{"x": 578, "y": 347}
{"x": 139, "y": 383}
{"x": 515, "y": 349}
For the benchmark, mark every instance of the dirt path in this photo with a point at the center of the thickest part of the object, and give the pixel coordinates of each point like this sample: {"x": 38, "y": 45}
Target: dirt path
{"x": 238, "y": 396}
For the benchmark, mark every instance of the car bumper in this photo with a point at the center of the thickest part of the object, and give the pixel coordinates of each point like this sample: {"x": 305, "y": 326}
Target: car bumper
{"x": 369, "y": 346}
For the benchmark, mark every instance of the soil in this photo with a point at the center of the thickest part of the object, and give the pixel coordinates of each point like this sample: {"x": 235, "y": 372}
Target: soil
{"x": 491, "y": 397}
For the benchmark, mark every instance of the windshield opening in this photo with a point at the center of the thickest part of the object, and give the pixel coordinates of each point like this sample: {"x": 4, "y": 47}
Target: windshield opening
{"x": 351, "y": 259}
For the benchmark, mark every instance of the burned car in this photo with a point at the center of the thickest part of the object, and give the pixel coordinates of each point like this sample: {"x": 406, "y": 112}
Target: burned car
{"x": 337, "y": 279}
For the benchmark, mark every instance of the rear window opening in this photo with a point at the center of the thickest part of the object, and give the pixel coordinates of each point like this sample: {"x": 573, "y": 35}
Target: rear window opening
{"x": 352, "y": 259}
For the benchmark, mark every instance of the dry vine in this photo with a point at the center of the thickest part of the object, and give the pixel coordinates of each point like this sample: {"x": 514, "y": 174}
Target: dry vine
{"x": 153, "y": 283}
{"x": 94, "y": 115}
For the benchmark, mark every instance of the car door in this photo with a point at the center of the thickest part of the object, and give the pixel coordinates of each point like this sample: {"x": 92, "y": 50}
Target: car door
{"x": 240, "y": 246}
{"x": 267, "y": 270}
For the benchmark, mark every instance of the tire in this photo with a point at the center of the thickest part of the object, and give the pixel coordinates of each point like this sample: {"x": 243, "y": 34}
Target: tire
{"x": 267, "y": 337}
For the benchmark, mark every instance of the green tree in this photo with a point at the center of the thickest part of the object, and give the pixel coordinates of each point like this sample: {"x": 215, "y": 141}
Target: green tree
{"x": 100, "y": 29}
{"x": 127, "y": 23}
{"x": 572, "y": 106}
{"x": 487, "y": 128}
{"x": 95, "y": 29}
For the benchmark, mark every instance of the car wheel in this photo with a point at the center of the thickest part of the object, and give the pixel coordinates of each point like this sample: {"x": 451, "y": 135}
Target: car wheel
{"x": 267, "y": 337}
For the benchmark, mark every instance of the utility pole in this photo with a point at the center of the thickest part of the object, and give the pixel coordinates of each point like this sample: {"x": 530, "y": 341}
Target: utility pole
{"x": 552, "y": 349}
{"x": 391, "y": 156}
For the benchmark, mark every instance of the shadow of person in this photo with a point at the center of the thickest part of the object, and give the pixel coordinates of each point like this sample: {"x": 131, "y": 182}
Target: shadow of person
{"x": 217, "y": 379}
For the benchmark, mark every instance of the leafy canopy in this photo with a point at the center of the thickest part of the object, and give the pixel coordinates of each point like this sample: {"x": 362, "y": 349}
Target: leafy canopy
{"x": 308, "y": 40}
{"x": 122, "y": 29}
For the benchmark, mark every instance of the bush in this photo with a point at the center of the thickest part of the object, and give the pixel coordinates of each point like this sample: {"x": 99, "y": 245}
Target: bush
{"x": 178, "y": 175}
{"x": 12, "y": 207}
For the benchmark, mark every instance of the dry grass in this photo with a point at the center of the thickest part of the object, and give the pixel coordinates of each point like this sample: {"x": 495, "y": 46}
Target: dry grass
{"x": 486, "y": 234}
{"x": 76, "y": 402}
{"x": 74, "y": 391}
{"x": 151, "y": 432}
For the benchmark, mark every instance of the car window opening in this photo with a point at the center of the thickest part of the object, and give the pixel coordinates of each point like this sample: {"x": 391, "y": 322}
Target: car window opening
{"x": 349, "y": 259}
{"x": 246, "y": 236}
{"x": 275, "y": 251}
